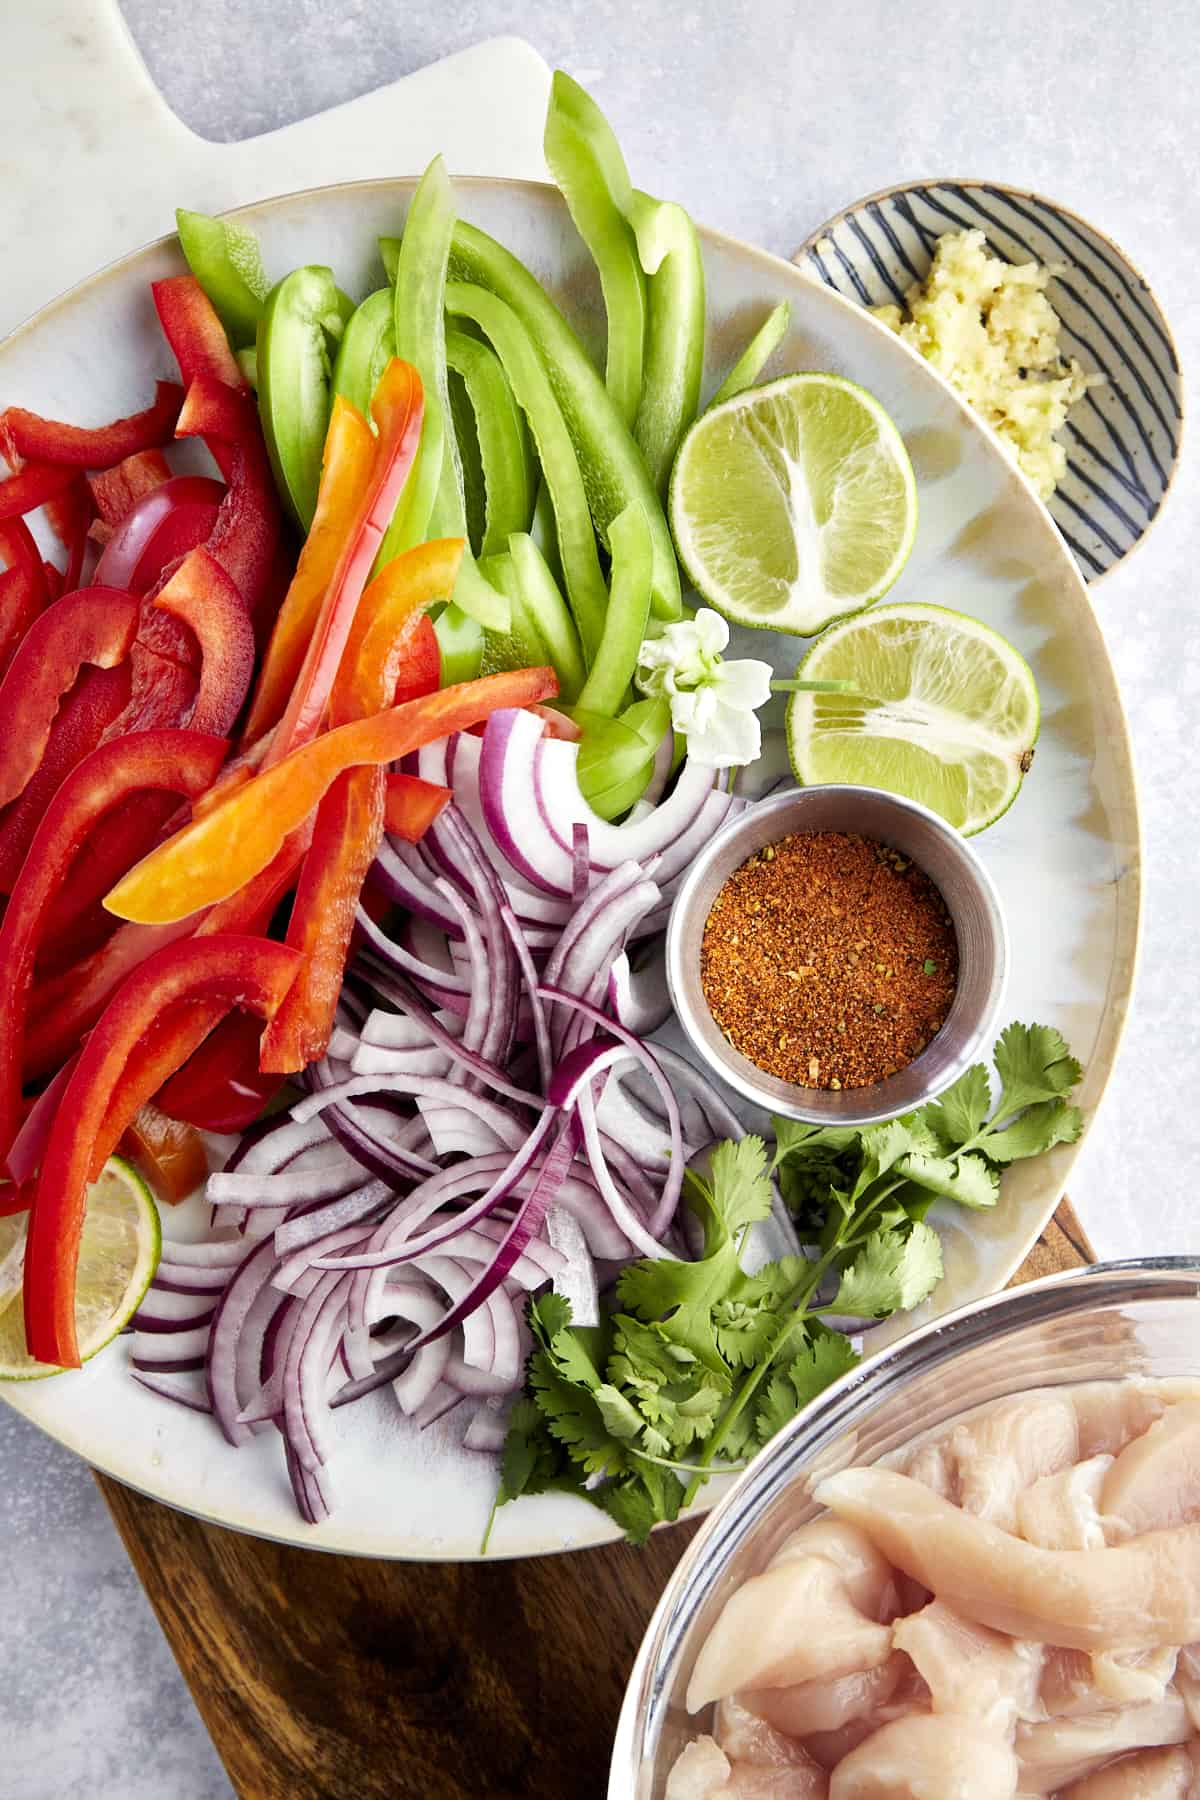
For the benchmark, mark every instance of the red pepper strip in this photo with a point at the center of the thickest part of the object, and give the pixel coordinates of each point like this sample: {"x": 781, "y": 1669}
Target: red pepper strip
{"x": 397, "y": 407}
{"x": 170, "y": 1154}
{"x": 221, "y": 1087}
{"x": 71, "y": 514}
{"x": 69, "y": 1003}
{"x": 411, "y": 805}
{"x": 95, "y": 447}
{"x": 231, "y": 971}
{"x": 556, "y": 724}
{"x": 162, "y": 693}
{"x": 24, "y": 587}
{"x": 216, "y": 855}
{"x": 98, "y": 697}
{"x": 116, "y": 490}
{"x": 32, "y": 486}
{"x": 421, "y": 668}
{"x": 92, "y": 625}
{"x": 181, "y": 762}
{"x": 345, "y": 473}
{"x": 204, "y": 597}
{"x": 54, "y": 580}
{"x": 246, "y": 534}
{"x": 16, "y": 1200}
{"x": 195, "y": 333}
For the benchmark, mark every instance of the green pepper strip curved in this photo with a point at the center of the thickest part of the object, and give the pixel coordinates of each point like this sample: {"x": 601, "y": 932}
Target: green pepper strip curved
{"x": 674, "y": 361}
{"x": 460, "y": 641}
{"x": 628, "y": 609}
{"x": 225, "y": 259}
{"x": 762, "y": 346}
{"x": 543, "y": 609}
{"x": 616, "y": 757}
{"x": 586, "y": 162}
{"x": 368, "y": 344}
{"x": 530, "y": 384}
{"x": 503, "y": 440}
{"x": 611, "y": 465}
{"x": 300, "y": 313}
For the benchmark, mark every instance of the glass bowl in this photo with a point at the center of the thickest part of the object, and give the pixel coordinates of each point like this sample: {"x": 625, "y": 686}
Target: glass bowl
{"x": 1098, "y": 1324}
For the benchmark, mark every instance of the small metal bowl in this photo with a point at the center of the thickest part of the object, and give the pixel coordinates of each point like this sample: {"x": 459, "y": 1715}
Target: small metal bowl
{"x": 954, "y": 869}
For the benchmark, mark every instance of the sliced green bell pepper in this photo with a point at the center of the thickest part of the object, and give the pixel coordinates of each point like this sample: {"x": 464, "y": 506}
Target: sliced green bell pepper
{"x": 628, "y": 609}
{"x": 612, "y": 467}
{"x": 762, "y": 346}
{"x": 460, "y": 640}
{"x": 543, "y": 609}
{"x": 505, "y": 456}
{"x": 586, "y": 162}
{"x": 368, "y": 345}
{"x": 530, "y": 384}
{"x": 301, "y": 313}
{"x": 389, "y": 255}
{"x": 225, "y": 259}
{"x": 616, "y": 756}
{"x": 674, "y": 359}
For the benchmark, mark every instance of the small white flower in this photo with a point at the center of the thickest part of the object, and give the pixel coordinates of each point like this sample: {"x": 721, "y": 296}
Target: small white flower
{"x": 713, "y": 702}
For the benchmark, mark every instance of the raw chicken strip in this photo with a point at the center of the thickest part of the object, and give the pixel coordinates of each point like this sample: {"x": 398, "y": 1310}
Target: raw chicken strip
{"x": 1062, "y": 1511}
{"x": 1155, "y": 1482}
{"x": 700, "y": 1772}
{"x": 751, "y": 1744}
{"x": 749, "y": 1783}
{"x": 868, "y": 1576}
{"x": 1068, "y": 1685}
{"x": 926, "y": 1758}
{"x": 970, "y": 1670}
{"x": 1138, "y": 1596}
{"x": 827, "y": 1705}
{"x": 1129, "y": 1676}
{"x": 795, "y": 1622}
{"x": 1006, "y": 1448}
{"x": 704, "y": 1772}
{"x": 1110, "y": 1414}
{"x": 1060, "y": 1751}
{"x": 1152, "y": 1775}
{"x": 1187, "y": 1680}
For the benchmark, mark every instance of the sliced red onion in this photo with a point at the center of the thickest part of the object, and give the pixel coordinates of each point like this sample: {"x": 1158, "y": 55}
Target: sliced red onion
{"x": 576, "y": 1280}
{"x": 660, "y": 774}
{"x": 164, "y": 1311}
{"x": 637, "y": 993}
{"x": 185, "y": 1392}
{"x": 311, "y": 1348}
{"x": 627, "y": 1219}
{"x": 286, "y": 1189}
{"x": 529, "y": 976}
{"x": 499, "y": 1122}
{"x": 444, "y": 987}
{"x": 478, "y": 1384}
{"x": 235, "y": 1341}
{"x": 311, "y": 1488}
{"x": 507, "y": 786}
{"x": 560, "y": 804}
{"x": 581, "y": 863}
{"x": 407, "y": 885}
{"x": 489, "y": 1428}
{"x": 176, "y": 1348}
{"x": 295, "y": 1234}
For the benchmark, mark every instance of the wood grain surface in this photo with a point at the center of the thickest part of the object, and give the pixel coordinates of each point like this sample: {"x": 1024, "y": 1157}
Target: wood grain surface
{"x": 337, "y": 1678}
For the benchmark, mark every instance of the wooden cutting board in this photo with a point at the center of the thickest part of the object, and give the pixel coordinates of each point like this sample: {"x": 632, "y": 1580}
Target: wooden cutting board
{"x": 337, "y": 1678}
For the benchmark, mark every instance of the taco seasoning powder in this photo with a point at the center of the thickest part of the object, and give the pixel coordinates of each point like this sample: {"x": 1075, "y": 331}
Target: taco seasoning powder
{"x": 829, "y": 960}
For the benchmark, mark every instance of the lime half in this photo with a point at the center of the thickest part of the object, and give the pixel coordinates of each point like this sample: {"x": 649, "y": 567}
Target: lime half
{"x": 118, "y": 1255}
{"x": 944, "y": 711}
{"x": 793, "y": 504}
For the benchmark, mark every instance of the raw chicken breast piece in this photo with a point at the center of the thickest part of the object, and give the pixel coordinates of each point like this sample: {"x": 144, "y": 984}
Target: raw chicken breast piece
{"x": 1001, "y": 1452}
{"x": 752, "y": 1763}
{"x": 923, "y": 1757}
{"x": 1061, "y": 1751}
{"x": 1155, "y": 1482}
{"x": 1068, "y": 1685}
{"x": 1062, "y": 1511}
{"x": 746, "y": 1737}
{"x": 868, "y": 1576}
{"x": 827, "y": 1705}
{"x": 971, "y": 1671}
{"x": 749, "y": 1783}
{"x": 1148, "y": 1775}
{"x": 1126, "y": 1677}
{"x": 795, "y": 1622}
{"x": 1110, "y": 1414}
{"x": 1137, "y": 1596}
{"x": 700, "y": 1772}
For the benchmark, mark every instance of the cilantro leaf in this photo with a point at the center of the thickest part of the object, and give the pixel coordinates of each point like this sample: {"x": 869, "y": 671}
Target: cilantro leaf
{"x": 967, "y": 1179}
{"x": 1039, "y": 1128}
{"x": 893, "y": 1272}
{"x": 739, "y": 1183}
{"x": 530, "y": 1461}
{"x": 574, "y": 1418}
{"x": 958, "y": 1114}
{"x": 640, "y": 1501}
{"x": 827, "y": 1355}
{"x": 1034, "y": 1064}
{"x": 882, "y": 1148}
{"x": 794, "y": 1139}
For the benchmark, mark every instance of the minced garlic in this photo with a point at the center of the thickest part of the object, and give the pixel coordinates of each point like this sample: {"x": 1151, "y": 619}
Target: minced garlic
{"x": 987, "y": 326}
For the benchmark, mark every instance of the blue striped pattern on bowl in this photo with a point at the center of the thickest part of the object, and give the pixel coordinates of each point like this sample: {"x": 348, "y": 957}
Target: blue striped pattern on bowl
{"x": 1122, "y": 439}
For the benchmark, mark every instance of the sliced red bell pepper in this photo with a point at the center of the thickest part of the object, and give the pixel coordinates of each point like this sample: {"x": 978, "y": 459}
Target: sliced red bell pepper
{"x": 97, "y": 698}
{"x": 411, "y": 805}
{"x": 221, "y": 1087}
{"x": 70, "y": 1002}
{"x": 15, "y": 1200}
{"x": 93, "y": 625}
{"x": 179, "y": 762}
{"x": 31, "y": 486}
{"x": 421, "y": 668}
{"x": 246, "y": 534}
{"x": 24, "y": 589}
{"x": 397, "y": 407}
{"x": 162, "y": 691}
{"x": 70, "y": 514}
{"x": 194, "y": 332}
{"x": 204, "y": 597}
{"x": 169, "y": 1153}
{"x": 118, "y": 489}
{"x": 216, "y": 855}
{"x": 92, "y": 447}
{"x": 345, "y": 473}
{"x": 54, "y": 580}
{"x": 159, "y": 528}
{"x": 203, "y": 972}
{"x": 556, "y": 724}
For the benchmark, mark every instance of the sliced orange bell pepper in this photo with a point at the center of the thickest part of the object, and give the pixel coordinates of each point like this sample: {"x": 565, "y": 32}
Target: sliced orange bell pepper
{"x": 213, "y": 857}
{"x": 169, "y": 1153}
{"x": 345, "y": 472}
{"x": 397, "y": 407}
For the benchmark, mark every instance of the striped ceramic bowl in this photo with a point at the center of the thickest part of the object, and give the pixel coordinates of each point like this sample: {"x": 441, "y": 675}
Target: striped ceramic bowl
{"x": 1122, "y": 438}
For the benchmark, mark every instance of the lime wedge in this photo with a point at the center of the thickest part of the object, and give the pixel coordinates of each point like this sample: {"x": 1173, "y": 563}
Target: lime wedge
{"x": 945, "y": 711}
{"x": 118, "y": 1255}
{"x": 793, "y": 504}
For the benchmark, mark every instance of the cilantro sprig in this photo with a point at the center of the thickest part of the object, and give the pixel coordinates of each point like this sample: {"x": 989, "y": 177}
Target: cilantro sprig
{"x": 694, "y": 1365}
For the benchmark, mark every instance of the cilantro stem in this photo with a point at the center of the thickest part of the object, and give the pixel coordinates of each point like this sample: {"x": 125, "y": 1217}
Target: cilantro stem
{"x": 680, "y": 1468}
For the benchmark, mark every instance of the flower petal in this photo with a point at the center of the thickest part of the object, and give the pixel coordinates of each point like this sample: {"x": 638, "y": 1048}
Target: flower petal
{"x": 744, "y": 684}
{"x": 712, "y": 631}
